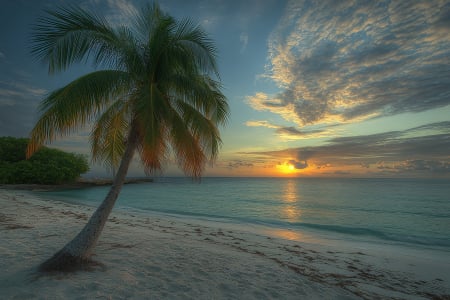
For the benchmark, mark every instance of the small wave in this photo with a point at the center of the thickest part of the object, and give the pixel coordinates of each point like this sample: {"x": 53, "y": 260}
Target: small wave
{"x": 438, "y": 215}
{"x": 360, "y": 231}
{"x": 346, "y": 230}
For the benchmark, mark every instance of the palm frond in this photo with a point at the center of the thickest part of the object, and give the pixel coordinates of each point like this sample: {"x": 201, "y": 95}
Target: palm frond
{"x": 130, "y": 53}
{"x": 148, "y": 19}
{"x": 153, "y": 156}
{"x": 108, "y": 136}
{"x": 76, "y": 104}
{"x": 159, "y": 61}
{"x": 202, "y": 128}
{"x": 204, "y": 94}
{"x": 187, "y": 149}
{"x": 150, "y": 118}
{"x": 67, "y": 35}
{"x": 197, "y": 46}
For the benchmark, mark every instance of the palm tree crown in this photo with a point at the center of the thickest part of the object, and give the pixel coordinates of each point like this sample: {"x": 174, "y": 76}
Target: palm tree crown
{"x": 156, "y": 95}
{"x": 157, "y": 87}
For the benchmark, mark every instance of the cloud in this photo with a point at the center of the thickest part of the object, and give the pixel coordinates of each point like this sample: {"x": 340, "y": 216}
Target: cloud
{"x": 235, "y": 164}
{"x": 119, "y": 11}
{"x": 239, "y": 16}
{"x": 9, "y": 90}
{"x": 2, "y": 55}
{"x": 261, "y": 124}
{"x": 244, "y": 41}
{"x": 290, "y": 132}
{"x": 422, "y": 149}
{"x": 124, "y": 6}
{"x": 18, "y": 103}
{"x": 346, "y": 61}
{"x": 416, "y": 165}
{"x": 247, "y": 162}
{"x": 298, "y": 164}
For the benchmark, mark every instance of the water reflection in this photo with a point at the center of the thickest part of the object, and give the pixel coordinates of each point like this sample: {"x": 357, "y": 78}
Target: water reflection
{"x": 290, "y": 210}
{"x": 295, "y": 235}
{"x": 287, "y": 234}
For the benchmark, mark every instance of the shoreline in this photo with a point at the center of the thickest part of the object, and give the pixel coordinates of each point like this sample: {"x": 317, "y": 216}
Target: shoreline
{"x": 79, "y": 184}
{"x": 169, "y": 257}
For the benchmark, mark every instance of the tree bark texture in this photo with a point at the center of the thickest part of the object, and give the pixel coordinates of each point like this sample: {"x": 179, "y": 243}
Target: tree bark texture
{"x": 76, "y": 254}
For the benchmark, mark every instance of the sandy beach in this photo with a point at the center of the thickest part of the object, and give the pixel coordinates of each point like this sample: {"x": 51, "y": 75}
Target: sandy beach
{"x": 166, "y": 257}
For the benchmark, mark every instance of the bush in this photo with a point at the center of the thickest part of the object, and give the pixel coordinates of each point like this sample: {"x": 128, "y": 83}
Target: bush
{"x": 12, "y": 149}
{"x": 46, "y": 166}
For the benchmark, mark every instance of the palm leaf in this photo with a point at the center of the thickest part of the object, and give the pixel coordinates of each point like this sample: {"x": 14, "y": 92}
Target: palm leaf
{"x": 202, "y": 128}
{"x": 199, "y": 49}
{"x": 75, "y": 105}
{"x": 188, "y": 152}
{"x": 109, "y": 134}
{"x": 202, "y": 93}
{"x": 67, "y": 35}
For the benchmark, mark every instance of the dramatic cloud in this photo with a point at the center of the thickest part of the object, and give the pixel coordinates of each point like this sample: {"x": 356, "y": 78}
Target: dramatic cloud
{"x": 422, "y": 149}
{"x": 343, "y": 61}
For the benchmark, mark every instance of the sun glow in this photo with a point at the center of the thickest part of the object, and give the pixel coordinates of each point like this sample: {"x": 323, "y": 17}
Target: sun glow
{"x": 286, "y": 168}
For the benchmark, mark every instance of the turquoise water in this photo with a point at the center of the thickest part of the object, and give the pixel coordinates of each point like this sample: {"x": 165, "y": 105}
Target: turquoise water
{"x": 411, "y": 211}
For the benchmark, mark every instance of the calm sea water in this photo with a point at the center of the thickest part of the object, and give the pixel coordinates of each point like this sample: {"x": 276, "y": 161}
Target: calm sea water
{"x": 411, "y": 211}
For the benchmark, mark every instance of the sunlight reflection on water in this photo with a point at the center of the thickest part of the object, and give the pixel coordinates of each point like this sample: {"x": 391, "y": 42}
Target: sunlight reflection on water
{"x": 287, "y": 234}
{"x": 291, "y": 198}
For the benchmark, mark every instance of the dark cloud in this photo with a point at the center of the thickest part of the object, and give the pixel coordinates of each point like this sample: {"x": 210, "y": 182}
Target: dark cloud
{"x": 294, "y": 132}
{"x": 344, "y": 60}
{"x": 436, "y": 127}
{"x": 235, "y": 164}
{"x": 291, "y": 132}
{"x": 298, "y": 164}
{"x": 417, "y": 165}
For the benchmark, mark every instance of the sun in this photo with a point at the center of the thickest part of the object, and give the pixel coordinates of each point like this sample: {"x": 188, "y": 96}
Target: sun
{"x": 286, "y": 168}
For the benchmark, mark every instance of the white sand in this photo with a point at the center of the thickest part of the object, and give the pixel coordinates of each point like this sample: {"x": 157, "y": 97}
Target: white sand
{"x": 163, "y": 257}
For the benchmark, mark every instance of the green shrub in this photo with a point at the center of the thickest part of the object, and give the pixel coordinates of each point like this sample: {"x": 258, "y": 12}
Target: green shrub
{"x": 46, "y": 166}
{"x": 12, "y": 149}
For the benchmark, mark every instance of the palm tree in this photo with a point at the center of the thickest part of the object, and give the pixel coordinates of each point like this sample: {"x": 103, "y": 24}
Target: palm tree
{"x": 156, "y": 96}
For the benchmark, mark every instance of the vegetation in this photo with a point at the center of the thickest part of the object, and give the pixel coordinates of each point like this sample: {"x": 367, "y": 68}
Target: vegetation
{"x": 47, "y": 166}
{"x": 158, "y": 95}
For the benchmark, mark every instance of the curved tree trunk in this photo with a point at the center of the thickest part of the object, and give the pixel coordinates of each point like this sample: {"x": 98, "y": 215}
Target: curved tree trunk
{"x": 76, "y": 254}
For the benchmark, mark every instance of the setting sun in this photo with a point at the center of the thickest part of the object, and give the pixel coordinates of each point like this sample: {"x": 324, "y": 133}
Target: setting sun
{"x": 286, "y": 168}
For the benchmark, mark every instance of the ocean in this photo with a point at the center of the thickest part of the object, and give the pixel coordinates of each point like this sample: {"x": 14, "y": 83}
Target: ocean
{"x": 412, "y": 212}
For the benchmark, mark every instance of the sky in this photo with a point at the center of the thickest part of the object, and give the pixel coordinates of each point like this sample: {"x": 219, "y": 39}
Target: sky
{"x": 316, "y": 88}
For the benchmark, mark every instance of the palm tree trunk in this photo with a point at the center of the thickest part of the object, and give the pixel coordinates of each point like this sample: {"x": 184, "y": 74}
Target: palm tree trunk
{"x": 76, "y": 254}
